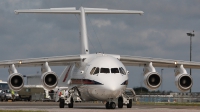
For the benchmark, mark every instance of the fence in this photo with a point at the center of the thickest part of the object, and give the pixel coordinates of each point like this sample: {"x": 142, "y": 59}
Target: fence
{"x": 173, "y": 97}
{"x": 40, "y": 97}
{"x": 48, "y": 97}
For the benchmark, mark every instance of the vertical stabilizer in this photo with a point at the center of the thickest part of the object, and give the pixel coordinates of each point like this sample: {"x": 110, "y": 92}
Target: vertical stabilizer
{"x": 82, "y": 11}
{"x": 84, "y": 37}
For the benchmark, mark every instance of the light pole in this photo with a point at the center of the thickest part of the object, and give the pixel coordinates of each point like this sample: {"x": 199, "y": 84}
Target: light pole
{"x": 191, "y": 35}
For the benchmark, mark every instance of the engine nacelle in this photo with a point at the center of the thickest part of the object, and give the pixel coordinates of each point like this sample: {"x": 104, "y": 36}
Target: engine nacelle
{"x": 183, "y": 82}
{"x": 152, "y": 80}
{"x": 49, "y": 80}
{"x": 15, "y": 81}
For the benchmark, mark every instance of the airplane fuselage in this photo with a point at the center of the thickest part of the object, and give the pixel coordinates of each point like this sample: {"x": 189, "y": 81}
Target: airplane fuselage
{"x": 99, "y": 77}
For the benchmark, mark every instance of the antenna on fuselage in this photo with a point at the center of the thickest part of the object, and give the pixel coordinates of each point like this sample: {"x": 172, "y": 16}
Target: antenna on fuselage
{"x": 82, "y": 11}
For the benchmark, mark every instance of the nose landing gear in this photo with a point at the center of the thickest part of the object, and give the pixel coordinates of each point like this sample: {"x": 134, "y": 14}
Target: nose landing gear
{"x": 111, "y": 105}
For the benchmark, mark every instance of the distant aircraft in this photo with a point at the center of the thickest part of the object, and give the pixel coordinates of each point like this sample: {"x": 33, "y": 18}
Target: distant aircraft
{"x": 96, "y": 77}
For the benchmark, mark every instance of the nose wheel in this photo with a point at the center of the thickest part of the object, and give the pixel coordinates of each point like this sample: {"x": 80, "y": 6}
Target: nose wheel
{"x": 111, "y": 105}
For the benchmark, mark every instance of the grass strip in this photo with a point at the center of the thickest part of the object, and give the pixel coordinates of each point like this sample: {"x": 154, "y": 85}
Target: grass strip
{"x": 165, "y": 103}
{"x": 21, "y": 111}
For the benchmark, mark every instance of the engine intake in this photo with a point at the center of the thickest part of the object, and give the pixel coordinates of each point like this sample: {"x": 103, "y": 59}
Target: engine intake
{"x": 16, "y": 81}
{"x": 152, "y": 80}
{"x": 49, "y": 80}
{"x": 183, "y": 82}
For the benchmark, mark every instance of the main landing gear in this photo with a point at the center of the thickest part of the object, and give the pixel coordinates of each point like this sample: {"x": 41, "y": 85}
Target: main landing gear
{"x": 124, "y": 101}
{"x": 120, "y": 102}
{"x": 69, "y": 102}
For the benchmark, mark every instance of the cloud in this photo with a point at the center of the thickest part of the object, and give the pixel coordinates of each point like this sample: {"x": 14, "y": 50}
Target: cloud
{"x": 101, "y": 23}
{"x": 160, "y": 32}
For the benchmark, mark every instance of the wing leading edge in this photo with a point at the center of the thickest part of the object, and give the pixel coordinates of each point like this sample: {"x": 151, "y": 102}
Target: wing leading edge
{"x": 33, "y": 62}
{"x": 157, "y": 62}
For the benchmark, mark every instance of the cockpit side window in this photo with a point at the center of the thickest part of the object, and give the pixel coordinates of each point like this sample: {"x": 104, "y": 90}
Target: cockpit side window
{"x": 114, "y": 70}
{"x": 122, "y": 71}
{"x": 92, "y": 71}
{"x": 96, "y": 71}
{"x": 105, "y": 70}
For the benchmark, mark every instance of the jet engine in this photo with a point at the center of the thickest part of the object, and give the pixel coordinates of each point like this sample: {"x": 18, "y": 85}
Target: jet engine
{"x": 151, "y": 78}
{"x": 49, "y": 78}
{"x": 16, "y": 81}
{"x": 183, "y": 80}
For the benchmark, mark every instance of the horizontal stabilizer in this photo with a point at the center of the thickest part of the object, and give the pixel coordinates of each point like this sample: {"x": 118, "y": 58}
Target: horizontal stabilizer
{"x": 72, "y": 10}
{"x": 64, "y": 8}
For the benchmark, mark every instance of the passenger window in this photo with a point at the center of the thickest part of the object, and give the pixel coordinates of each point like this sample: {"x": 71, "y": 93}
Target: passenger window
{"x": 114, "y": 70}
{"x": 105, "y": 70}
{"x": 97, "y": 70}
{"x": 92, "y": 71}
{"x": 122, "y": 71}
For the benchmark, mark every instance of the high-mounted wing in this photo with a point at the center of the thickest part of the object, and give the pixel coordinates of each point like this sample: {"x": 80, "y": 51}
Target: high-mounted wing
{"x": 49, "y": 78}
{"x": 157, "y": 62}
{"x": 153, "y": 80}
{"x": 33, "y": 62}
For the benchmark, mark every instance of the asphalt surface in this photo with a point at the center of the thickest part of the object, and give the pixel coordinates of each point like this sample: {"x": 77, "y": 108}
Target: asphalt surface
{"x": 93, "y": 107}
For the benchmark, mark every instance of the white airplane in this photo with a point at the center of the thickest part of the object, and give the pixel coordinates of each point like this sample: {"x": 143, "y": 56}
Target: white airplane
{"x": 100, "y": 76}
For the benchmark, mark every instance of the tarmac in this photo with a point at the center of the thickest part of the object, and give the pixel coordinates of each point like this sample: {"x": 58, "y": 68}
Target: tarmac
{"x": 93, "y": 107}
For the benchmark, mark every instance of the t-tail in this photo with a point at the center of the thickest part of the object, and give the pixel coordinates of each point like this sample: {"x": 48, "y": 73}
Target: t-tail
{"x": 82, "y": 11}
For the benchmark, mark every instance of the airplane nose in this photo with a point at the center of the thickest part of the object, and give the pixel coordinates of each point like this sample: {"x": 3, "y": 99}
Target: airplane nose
{"x": 113, "y": 87}
{"x": 113, "y": 90}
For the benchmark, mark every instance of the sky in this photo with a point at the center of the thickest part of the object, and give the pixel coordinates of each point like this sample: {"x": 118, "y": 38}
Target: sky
{"x": 159, "y": 33}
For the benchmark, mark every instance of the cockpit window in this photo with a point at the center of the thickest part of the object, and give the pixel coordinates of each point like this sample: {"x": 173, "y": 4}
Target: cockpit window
{"x": 105, "y": 70}
{"x": 96, "y": 71}
{"x": 114, "y": 70}
{"x": 92, "y": 71}
{"x": 122, "y": 71}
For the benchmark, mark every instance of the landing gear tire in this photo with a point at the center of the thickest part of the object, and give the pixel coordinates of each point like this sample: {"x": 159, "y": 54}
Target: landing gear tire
{"x": 5, "y": 99}
{"x": 71, "y": 105}
{"x": 62, "y": 103}
{"x": 29, "y": 99}
{"x": 107, "y": 105}
{"x": 112, "y": 105}
{"x": 129, "y": 105}
{"x": 120, "y": 102}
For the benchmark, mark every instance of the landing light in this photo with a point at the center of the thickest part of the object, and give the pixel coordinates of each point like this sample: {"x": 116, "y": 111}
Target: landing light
{"x": 175, "y": 62}
{"x": 20, "y": 62}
